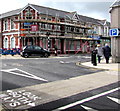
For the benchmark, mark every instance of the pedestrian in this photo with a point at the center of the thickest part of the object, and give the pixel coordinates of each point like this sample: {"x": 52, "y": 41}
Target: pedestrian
{"x": 99, "y": 50}
{"x": 56, "y": 50}
{"x": 107, "y": 53}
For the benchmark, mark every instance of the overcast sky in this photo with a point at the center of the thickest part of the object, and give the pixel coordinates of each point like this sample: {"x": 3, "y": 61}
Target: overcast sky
{"x": 98, "y": 9}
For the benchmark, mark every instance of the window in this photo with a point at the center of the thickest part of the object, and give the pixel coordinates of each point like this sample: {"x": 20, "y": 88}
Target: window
{"x": 12, "y": 42}
{"x": 49, "y": 26}
{"x": 30, "y": 47}
{"x": 49, "y": 19}
{"x": 28, "y": 15}
{"x": 12, "y": 24}
{"x": 6, "y": 25}
{"x": 43, "y": 26}
{"x": 5, "y": 42}
{"x": 43, "y": 18}
{"x": 37, "y": 48}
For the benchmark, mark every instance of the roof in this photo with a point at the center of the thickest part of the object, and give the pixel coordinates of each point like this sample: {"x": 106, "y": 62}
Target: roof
{"x": 114, "y": 4}
{"x": 10, "y": 13}
{"x": 54, "y": 12}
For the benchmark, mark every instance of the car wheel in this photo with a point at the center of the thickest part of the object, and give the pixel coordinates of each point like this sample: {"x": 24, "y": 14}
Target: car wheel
{"x": 26, "y": 55}
{"x": 46, "y": 55}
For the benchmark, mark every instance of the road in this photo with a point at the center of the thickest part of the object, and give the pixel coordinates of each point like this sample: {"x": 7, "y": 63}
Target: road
{"x": 50, "y": 69}
{"x": 19, "y": 73}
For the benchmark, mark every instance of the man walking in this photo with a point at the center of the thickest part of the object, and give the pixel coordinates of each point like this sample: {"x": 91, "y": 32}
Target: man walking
{"x": 107, "y": 52}
{"x": 99, "y": 52}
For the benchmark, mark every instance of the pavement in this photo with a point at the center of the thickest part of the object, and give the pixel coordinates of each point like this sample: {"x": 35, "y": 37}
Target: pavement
{"x": 19, "y": 57}
{"x": 102, "y": 65}
{"x": 56, "y": 90}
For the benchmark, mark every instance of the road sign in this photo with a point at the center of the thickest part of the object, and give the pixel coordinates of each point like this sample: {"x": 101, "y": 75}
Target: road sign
{"x": 114, "y": 32}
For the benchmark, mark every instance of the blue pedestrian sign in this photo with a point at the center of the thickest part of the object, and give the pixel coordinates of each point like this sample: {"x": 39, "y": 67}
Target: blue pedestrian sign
{"x": 114, "y": 32}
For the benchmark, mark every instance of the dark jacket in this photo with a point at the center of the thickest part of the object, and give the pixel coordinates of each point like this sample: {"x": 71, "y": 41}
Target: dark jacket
{"x": 107, "y": 51}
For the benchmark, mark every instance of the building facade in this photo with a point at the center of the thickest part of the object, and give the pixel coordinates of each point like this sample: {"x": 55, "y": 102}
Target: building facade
{"x": 115, "y": 24}
{"x": 47, "y": 27}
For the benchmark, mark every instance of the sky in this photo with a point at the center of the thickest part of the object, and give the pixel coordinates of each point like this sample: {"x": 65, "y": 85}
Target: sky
{"x": 98, "y": 9}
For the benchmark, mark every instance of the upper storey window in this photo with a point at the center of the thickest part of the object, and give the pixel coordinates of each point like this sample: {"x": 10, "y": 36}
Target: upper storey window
{"x": 5, "y": 25}
{"x": 28, "y": 15}
{"x": 12, "y": 24}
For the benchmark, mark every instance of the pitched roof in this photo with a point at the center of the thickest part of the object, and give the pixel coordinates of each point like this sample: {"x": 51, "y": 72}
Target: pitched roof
{"x": 49, "y": 11}
{"x": 10, "y": 13}
{"x": 53, "y": 12}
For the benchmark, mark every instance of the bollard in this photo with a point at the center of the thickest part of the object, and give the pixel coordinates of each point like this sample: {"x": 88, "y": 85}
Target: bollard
{"x": 93, "y": 58}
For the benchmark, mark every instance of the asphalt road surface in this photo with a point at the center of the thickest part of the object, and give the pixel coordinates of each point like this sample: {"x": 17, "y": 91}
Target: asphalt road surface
{"x": 18, "y": 73}
{"x": 101, "y": 99}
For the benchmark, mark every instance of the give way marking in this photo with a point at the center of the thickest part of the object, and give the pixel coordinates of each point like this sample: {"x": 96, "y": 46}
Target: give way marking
{"x": 23, "y": 73}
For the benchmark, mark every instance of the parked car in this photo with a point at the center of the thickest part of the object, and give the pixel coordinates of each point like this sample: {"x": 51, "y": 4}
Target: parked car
{"x": 33, "y": 50}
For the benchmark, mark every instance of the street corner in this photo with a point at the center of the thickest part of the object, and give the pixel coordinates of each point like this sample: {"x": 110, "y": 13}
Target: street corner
{"x": 88, "y": 65}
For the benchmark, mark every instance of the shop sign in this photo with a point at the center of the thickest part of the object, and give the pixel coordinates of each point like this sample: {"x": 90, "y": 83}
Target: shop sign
{"x": 34, "y": 28}
{"x": 95, "y": 37}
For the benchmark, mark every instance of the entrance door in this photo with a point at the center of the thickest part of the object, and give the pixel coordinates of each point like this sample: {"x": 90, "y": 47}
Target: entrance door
{"x": 62, "y": 46}
{"x": 29, "y": 41}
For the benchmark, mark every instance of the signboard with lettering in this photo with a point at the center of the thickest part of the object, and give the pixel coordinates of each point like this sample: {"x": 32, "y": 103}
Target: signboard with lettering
{"x": 94, "y": 37}
{"x": 34, "y": 28}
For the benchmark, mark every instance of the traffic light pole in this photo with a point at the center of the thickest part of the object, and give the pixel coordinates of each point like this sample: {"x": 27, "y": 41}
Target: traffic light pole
{"x": 47, "y": 34}
{"x": 48, "y": 43}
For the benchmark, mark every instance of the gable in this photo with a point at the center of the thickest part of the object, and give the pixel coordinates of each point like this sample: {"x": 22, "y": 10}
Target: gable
{"x": 75, "y": 16}
{"x": 28, "y": 12}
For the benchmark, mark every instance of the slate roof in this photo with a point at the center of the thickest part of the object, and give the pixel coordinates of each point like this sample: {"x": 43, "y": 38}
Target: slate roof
{"x": 10, "y": 13}
{"x": 53, "y": 12}
{"x": 49, "y": 11}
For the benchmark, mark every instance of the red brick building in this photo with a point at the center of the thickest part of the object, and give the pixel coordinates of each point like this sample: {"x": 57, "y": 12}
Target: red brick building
{"x": 35, "y": 25}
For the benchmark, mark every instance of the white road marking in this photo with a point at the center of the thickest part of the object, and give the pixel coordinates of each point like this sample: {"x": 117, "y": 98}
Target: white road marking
{"x": 25, "y": 74}
{"x": 62, "y": 62}
{"x": 114, "y": 99}
{"x": 31, "y": 104}
{"x": 86, "y": 99}
{"x": 88, "y": 108}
